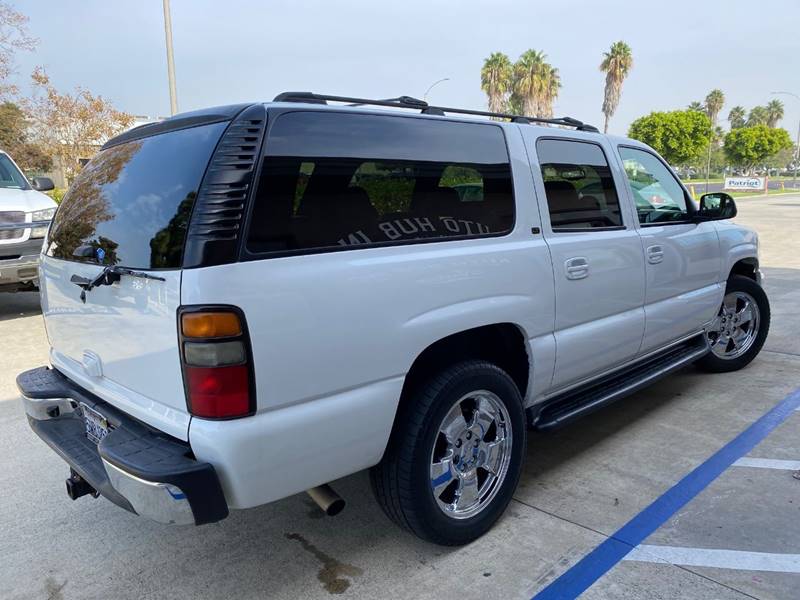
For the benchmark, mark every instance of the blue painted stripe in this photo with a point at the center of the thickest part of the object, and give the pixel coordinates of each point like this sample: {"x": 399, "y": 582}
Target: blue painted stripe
{"x": 603, "y": 558}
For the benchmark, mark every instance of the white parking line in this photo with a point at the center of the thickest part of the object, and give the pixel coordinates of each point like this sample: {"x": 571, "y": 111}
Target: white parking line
{"x": 719, "y": 559}
{"x": 768, "y": 463}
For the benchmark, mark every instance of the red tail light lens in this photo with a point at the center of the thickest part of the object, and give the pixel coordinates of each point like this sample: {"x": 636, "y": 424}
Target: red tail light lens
{"x": 217, "y": 363}
{"x": 218, "y": 392}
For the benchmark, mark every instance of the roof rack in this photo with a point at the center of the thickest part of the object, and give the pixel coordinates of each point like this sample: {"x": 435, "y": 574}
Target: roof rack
{"x": 427, "y": 109}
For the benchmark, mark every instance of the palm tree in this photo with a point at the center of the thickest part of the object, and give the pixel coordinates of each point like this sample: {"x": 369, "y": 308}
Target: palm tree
{"x": 617, "y": 63}
{"x": 696, "y": 106}
{"x": 550, "y": 92}
{"x": 737, "y": 117}
{"x": 758, "y": 116}
{"x": 496, "y": 80}
{"x": 774, "y": 112}
{"x": 714, "y": 103}
{"x": 536, "y": 84}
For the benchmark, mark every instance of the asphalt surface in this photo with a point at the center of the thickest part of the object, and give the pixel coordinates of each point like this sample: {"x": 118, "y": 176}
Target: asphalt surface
{"x": 738, "y": 538}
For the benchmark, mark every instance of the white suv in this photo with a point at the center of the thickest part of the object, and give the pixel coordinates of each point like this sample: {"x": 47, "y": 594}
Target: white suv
{"x": 251, "y": 301}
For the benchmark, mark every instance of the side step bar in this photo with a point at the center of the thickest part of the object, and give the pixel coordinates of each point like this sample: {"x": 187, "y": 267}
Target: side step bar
{"x": 573, "y": 404}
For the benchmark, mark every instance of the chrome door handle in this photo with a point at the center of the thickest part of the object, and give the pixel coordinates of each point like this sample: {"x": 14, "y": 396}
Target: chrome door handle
{"x": 655, "y": 254}
{"x": 577, "y": 268}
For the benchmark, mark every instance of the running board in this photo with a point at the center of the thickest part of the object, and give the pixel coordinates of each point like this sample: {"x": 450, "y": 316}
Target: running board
{"x": 573, "y": 404}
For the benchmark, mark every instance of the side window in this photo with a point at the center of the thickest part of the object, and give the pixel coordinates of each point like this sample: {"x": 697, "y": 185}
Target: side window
{"x": 578, "y": 184}
{"x": 332, "y": 180}
{"x": 658, "y": 196}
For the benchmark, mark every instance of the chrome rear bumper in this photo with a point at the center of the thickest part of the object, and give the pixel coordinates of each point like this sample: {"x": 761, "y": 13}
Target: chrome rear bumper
{"x": 140, "y": 469}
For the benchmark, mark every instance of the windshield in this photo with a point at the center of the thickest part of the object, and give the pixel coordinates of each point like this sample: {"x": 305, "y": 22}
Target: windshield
{"x": 10, "y": 177}
{"x": 130, "y": 206}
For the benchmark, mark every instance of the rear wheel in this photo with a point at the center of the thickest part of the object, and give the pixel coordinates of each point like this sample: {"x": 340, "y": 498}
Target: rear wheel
{"x": 740, "y": 328}
{"x": 455, "y": 455}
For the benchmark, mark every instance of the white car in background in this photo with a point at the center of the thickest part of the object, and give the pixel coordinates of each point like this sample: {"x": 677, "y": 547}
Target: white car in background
{"x": 25, "y": 215}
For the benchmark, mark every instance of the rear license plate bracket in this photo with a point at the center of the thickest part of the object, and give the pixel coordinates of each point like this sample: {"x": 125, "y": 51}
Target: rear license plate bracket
{"x": 96, "y": 424}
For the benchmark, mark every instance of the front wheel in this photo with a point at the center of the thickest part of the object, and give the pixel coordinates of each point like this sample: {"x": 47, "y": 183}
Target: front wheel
{"x": 455, "y": 454}
{"x": 740, "y": 328}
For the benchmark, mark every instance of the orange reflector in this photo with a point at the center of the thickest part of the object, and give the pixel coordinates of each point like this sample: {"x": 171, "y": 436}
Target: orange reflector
{"x": 210, "y": 324}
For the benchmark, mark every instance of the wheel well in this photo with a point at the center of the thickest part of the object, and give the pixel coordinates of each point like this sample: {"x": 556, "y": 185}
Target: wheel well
{"x": 502, "y": 344}
{"x": 747, "y": 267}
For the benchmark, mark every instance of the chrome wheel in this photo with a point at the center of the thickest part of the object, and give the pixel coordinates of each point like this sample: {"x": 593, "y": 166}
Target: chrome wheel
{"x": 471, "y": 454}
{"x": 735, "y": 328}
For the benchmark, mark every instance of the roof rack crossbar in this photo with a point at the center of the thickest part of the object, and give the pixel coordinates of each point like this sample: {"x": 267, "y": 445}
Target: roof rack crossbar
{"x": 424, "y": 107}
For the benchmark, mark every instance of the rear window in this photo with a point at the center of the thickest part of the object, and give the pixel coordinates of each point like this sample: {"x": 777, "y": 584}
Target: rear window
{"x": 130, "y": 205}
{"x": 337, "y": 181}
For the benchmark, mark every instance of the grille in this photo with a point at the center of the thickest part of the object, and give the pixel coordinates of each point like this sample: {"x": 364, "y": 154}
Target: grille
{"x": 7, "y": 218}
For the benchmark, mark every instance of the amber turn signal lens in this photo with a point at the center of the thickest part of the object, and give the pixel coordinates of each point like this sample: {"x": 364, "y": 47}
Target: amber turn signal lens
{"x": 210, "y": 324}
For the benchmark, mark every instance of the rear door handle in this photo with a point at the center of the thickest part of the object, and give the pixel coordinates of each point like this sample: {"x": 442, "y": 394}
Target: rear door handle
{"x": 577, "y": 267}
{"x": 655, "y": 254}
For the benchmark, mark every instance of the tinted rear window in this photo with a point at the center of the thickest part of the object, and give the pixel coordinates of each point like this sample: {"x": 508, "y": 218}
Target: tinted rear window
{"x": 336, "y": 181}
{"x": 130, "y": 205}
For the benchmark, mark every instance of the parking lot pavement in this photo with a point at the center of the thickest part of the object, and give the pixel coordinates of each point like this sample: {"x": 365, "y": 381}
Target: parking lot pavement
{"x": 737, "y": 537}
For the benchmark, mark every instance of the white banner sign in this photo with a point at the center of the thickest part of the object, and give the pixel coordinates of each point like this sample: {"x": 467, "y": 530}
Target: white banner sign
{"x": 745, "y": 183}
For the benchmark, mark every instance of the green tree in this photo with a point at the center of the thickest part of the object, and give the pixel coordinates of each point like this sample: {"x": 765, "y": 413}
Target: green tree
{"x": 536, "y": 84}
{"x": 617, "y": 63}
{"x": 14, "y": 139}
{"x": 749, "y": 147}
{"x": 696, "y": 107}
{"x": 774, "y": 112}
{"x": 679, "y": 136}
{"x": 714, "y": 103}
{"x": 758, "y": 116}
{"x": 496, "y": 80}
{"x": 737, "y": 117}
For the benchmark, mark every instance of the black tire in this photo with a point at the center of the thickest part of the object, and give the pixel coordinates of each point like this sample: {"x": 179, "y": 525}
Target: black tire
{"x": 401, "y": 481}
{"x": 715, "y": 364}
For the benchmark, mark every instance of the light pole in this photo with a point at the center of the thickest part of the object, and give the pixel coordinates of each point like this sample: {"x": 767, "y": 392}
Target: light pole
{"x": 173, "y": 94}
{"x": 431, "y": 86}
{"x": 797, "y": 148}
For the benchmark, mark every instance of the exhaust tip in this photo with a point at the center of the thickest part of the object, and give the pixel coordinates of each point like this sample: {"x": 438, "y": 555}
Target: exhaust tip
{"x": 329, "y": 501}
{"x": 335, "y": 507}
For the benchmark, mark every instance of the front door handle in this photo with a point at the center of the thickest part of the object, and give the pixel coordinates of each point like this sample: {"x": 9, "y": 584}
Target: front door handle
{"x": 577, "y": 267}
{"x": 655, "y": 254}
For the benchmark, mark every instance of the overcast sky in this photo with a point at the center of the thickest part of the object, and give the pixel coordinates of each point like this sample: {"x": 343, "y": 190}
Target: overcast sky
{"x": 232, "y": 50}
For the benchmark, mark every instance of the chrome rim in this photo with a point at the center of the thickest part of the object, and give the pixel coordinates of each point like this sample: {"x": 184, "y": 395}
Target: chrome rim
{"x": 735, "y": 328}
{"x": 470, "y": 457}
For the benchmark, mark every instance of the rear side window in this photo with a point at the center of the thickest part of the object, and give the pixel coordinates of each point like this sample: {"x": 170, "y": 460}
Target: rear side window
{"x": 130, "y": 205}
{"x": 578, "y": 184}
{"x": 333, "y": 180}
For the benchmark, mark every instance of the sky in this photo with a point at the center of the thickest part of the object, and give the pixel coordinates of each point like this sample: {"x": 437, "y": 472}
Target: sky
{"x": 236, "y": 51}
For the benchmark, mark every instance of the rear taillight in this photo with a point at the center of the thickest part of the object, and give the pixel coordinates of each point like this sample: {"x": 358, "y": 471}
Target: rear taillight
{"x": 217, "y": 368}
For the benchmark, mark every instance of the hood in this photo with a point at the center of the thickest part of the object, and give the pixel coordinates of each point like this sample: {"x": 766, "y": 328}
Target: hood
{"x": 24, "y": 200}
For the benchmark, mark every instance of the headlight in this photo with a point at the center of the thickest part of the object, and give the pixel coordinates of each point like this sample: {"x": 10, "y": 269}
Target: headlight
{"x": 41, "y": 215}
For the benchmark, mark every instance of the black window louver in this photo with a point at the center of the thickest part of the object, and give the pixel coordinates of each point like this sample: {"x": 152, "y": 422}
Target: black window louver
{"x": 219, "y": 209}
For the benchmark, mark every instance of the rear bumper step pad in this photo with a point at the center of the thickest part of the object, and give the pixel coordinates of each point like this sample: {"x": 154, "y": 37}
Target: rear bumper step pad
{"x": 136, "y": 467}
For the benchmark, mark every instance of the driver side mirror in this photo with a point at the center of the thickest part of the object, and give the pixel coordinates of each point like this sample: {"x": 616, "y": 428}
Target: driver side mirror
{"x": 715, "y": 207}
{"x": 42, "y": 184}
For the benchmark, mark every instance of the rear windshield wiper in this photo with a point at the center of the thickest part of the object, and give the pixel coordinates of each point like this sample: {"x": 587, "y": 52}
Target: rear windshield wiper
{"x": 107, "y": 276}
